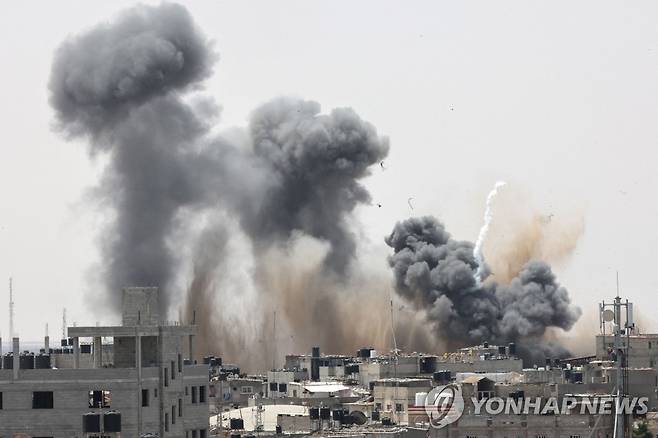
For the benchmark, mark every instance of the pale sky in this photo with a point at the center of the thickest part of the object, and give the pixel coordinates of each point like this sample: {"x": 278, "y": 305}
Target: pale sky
{"x": 559, "y": 99}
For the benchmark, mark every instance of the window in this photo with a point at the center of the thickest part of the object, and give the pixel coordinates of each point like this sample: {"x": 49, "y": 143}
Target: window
{"x": 166, "y": 376}
{"x": 398, "y": 407}
{"x": 180, "y": 363}
{"x": 194, "y": 434}
{"x": 187, "y": 390}
{"x": 155, "y": 393}
{"x": 0, "y": 400}
{"x": 194, "y": 398}
{"x": 42, "y": 400}
{"x": 173, "y": 371}
{"x": 180, "y": 407}
{"x": 202, "y": 433}
{"x": 166, "y": 422}
{"x": 99, "y": 399}
{"x": 173, "y": 414}
{"x": 649, "y": 345}
{"x": 578, "y": 436}
{"x": 378, "y": 406}
{"x": 246, "y": 390}
{"x": 273, "y": 386}
{"x": 145, "y": 397}
{"x": 202, "y": 394}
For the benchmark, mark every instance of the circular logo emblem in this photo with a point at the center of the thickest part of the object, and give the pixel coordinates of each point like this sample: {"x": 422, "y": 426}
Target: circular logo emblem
{"x": 444, "y": 405}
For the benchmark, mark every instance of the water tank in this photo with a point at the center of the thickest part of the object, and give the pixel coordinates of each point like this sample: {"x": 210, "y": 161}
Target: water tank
{"x": 325, "y": 413}
{"x": 65, "y": 342}
{"x": 337, "y": 415}
{"x": 70, "y": 342}
{"x": 375, "y": 416}
{"x": 314, "y": 413}
{"x": 207, "y": 359}
{"x": 485, "y": 344}
{"x": 112, "y": 422}
{"x": 85, "y": 348}
{"x": 279, "y": 429}
{"x": 373, "y": 354}
{"x": 26, "y": 361}
{"x": 42, "y": 361}
{"x": 236, "y": 423}
{"x": 502, "y": 350}
{"x": 91, "y": 422}
{"x": 420, "y": 399}
{"x": 283, "y": 387}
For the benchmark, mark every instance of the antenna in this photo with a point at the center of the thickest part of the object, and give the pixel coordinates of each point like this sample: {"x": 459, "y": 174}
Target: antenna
{"x": 11, "y": 309}
{"x": 64, "y": 323}
{"x": 395, "y": 344}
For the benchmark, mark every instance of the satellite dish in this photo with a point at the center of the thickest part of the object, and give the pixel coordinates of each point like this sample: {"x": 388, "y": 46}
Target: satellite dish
{"x": 608, "y": 315}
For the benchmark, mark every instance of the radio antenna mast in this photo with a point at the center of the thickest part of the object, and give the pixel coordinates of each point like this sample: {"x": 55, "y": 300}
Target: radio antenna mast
{"x": 11, "y": 309}
{"x": 64, "y": 323}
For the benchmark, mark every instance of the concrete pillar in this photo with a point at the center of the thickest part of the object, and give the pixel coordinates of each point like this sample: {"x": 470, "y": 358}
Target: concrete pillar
{"x": 191, "y": 341}
{"x": 46, "y": 344}
{"x": 98, "y": 352}
{"x": 17, "y": 357}
{"x": 76, "y": 352}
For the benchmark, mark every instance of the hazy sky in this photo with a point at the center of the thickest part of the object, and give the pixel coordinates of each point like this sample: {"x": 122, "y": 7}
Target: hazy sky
{"x": 559, "y": 99}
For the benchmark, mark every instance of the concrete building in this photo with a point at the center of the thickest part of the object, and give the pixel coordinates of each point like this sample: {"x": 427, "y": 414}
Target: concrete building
{"x": 642, "y": 349}
{"x": 393, "y": 398}
{"x": 147, "y": 382}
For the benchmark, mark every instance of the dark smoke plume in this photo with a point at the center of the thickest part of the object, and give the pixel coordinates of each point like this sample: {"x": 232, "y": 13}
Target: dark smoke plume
{"x": 316, "y": 162}
{"x": 118, "y": 85}
{"x": 125, "y": 86}
{"x": 437, "y": 274}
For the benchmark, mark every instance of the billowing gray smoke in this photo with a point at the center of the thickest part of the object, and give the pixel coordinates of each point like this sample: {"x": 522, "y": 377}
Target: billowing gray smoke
{"x": 317, "y": 162}
{"x": 126, "y": 87}
{"x": 119, "y": 85}
{"x": 436, "y": 273}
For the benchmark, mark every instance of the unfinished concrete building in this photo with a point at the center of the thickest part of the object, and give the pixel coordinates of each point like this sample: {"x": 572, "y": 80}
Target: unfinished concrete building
{"x": 151, "y": 386}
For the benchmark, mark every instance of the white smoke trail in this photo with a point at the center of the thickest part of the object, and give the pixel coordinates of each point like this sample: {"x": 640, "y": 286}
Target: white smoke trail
{"x": 488, "y": 216}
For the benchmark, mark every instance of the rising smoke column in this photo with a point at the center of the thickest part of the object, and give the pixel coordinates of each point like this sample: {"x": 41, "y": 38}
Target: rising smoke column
{"x": 119, "y": 85}
{"x": 317, "y": 162}
{"x": 482, "y": 236}
{"x": 437, "y": 274}
{"x": 126, "y": 87}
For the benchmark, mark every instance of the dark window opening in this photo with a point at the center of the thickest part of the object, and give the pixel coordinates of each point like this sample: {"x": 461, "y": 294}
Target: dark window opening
{"x": 194, "y": 434}
{"x": 42, "y": 400}
{"x": 145, "y": 397}
{"x": 173, "y": 371}
{"x": 99, "y": 399}
{"x": 202, "y": 394}
{"x": 166, "y": 422}
{"x": 0, "y": 400}
{"x": 180, "y": 407}
{"x": 202, "y": 433}
{"x": 173, "y": 415}
{"x": 194, "y": 398}
{"x": 180, "y": 363}
{"x": 166, "y": 377}
{"x": 155, "y": 393}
